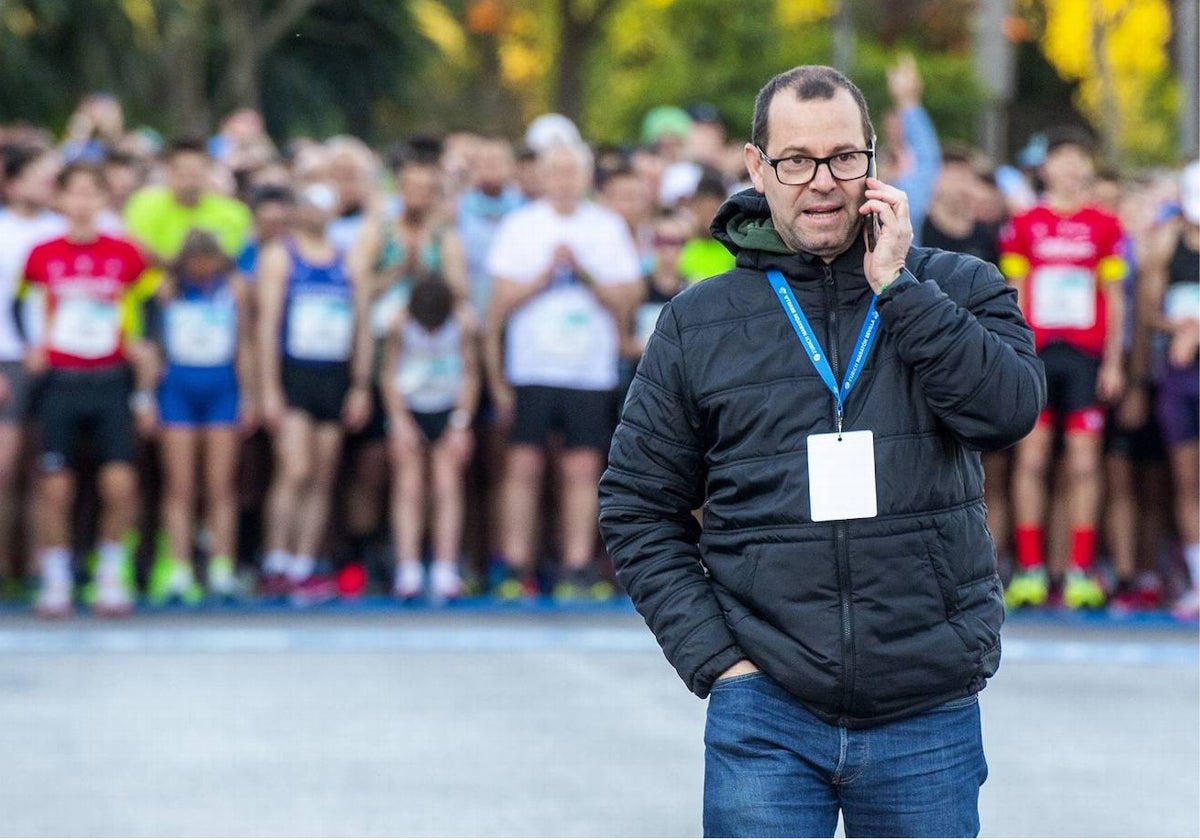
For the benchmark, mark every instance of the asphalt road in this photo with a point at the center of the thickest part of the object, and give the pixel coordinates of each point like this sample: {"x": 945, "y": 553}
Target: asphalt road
{"x": 486, "y": 722}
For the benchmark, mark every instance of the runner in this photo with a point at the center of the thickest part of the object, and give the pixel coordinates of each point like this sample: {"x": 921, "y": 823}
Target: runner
{"x": 1171, "y": 302}
{"x": 566, "y": 275}
{"x": 24, "y": 222}
{"x": 312, "y": 391}
{"x": 430, "y": 384}
{"x": 88, "y": 285}
{"x": 1064, "y": 258}
{"x": 203, "y": 336}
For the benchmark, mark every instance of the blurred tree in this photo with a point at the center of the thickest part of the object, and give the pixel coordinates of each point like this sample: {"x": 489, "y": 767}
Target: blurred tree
{"x": 180, "y": 64}
{"x": 1117, "y": 51}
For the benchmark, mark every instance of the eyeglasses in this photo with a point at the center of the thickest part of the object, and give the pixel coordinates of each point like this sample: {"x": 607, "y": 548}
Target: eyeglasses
{"x": 797, "y": 170}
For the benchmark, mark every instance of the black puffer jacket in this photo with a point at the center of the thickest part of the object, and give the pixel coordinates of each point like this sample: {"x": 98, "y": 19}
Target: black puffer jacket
{"x": 865, "y": 621}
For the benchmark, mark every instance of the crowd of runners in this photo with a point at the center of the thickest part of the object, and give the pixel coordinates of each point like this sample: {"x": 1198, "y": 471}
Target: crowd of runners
{"x": 233, "y": 368}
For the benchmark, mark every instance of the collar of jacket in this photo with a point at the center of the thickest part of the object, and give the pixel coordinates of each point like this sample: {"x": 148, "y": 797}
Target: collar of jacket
{"x": 744, "y": 226}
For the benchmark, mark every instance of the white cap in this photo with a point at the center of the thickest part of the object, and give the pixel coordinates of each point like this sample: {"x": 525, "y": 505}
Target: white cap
{"x": 551, "y": 130}
{"x": 679, "y": 182}
{"x": 1189, "y": 192}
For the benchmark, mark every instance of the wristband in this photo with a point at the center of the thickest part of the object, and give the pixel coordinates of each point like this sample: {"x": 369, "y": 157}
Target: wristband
{"x": 902, "y": 276}
{"x": 141, "y": 399}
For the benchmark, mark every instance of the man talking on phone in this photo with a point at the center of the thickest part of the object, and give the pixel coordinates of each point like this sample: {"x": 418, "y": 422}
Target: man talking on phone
{"x": 825, "y": 405}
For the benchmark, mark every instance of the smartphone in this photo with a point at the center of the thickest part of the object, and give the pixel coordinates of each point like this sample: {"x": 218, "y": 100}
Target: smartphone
{"x": 872, "y": 224}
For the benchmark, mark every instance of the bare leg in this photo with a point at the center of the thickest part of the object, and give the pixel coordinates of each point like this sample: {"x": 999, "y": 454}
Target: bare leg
{"x": 293, "y": 466}
{"x": 996, "y": 473}
{"x": 118, "y": 500}
{"x": 1186, "y": 472}
{"x": 408, "y": 500}
{"x": 317, "y": 498}
{"x": 1120, "y": 517}
{"x": 580, "y": 469}
{"x": 522, "y": 495}
{"x": 221, "y": 449}
{"x": 448, "y": 507}
{"x": 1082, "y": 464}
{"x": 55, "y": 498}
{"x": 178, "y": 454}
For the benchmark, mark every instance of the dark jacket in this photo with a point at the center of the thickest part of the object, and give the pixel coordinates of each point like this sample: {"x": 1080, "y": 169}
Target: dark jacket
{"x": 864, "y": 621}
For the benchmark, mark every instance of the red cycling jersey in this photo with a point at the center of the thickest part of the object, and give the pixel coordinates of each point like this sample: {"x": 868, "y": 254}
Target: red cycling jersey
{"x": 1064, "y": 261}
{"x": 87, "y": 298}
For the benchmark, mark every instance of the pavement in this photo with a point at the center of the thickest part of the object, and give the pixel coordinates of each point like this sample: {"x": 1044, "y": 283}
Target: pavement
{"x": 480, "y": 721}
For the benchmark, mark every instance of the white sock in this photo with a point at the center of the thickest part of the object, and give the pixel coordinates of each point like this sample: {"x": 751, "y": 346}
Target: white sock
{"x": 1191, "y": 556}
{"x": 301, "y": 568}
{"x": 112, "y": 559}
{"x": 277, "y": 562}
{"x": 56, "y": 566}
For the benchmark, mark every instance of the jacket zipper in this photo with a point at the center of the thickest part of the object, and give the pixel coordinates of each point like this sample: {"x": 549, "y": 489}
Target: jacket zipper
{"x": 841, "y": 549}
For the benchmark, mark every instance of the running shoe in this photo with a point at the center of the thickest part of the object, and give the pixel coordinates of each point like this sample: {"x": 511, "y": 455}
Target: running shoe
{"x": 1187, "y": 608}
{"x": 275, "y": 586}
{"x": 222, "y": 578}
{"x": 173, "y": 583}
{"x": 409, "y": 581}
{"x": 113, "y": 593}
{"x": 584, "y": 584}
{"x": 352, "y": 581}
{"x": 54, "y": 599}
{"x": 1082, "y": 592}
{"x": 445, "y": 582}
{"x": 314, "y": 590}
{"x": 516, "y": 588}
{"x": 1028, "y": 588}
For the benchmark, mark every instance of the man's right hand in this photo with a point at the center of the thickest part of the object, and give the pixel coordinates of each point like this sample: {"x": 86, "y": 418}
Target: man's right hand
{"x": 737, "y": 669}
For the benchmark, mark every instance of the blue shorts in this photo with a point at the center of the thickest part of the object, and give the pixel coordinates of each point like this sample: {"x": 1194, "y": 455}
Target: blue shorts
{"x": 196, "y": 396}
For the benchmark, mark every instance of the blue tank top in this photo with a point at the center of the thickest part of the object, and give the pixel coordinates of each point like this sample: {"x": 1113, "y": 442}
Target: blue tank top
{"x": 318, "y": 315}
{"x": 200, "y": 326}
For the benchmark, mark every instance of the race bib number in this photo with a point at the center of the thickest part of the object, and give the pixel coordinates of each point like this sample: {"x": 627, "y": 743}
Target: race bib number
{"x": 320, "y": 328}
{"x": 565, "y": 329}
{"x": 841, "y": 476}
{"x": 387, "y": 307}
{"x": 201, "y": 334}
{"x": 431, "y": 382}
{"x": 1182, "y": 301}
{"x": 86, "y": 328}
{"x": 1064, "y": 297}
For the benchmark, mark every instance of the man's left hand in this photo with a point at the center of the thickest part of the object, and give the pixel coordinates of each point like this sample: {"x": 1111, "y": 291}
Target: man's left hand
{"x": 890, "y": 205}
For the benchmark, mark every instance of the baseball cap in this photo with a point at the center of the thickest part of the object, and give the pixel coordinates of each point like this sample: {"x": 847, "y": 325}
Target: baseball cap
{"x": 551, "y": 130}
{"x": 664, "y": 120}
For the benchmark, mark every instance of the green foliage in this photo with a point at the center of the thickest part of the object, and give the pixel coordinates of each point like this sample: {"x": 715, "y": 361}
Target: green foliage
{"x": 952, "y": 93}
{"x": 687, "y": 52}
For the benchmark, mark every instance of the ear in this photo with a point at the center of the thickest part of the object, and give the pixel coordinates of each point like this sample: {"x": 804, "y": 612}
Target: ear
{"x": 754, "y": 165}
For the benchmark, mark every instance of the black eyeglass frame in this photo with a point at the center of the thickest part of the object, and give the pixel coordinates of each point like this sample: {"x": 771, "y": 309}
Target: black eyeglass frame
{"x": 817, "y": 163}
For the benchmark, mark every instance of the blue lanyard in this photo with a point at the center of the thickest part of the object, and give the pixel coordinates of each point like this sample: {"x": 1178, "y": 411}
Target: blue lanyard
{"x": 862, "y": 349}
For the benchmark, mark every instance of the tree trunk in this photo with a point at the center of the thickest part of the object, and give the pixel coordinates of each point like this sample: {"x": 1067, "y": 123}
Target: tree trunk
{"x": 185, "y": 70}
{"x": 240, "y": 83}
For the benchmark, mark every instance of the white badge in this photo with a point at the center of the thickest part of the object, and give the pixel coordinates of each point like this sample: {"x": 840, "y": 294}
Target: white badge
{"x": 86, "y": 328}
{"x": 565, "y": 328}
{"x": 1064, "y": 297}
{"x": 1182, "y": 301}
{"x": 320, "y": 328}
{"x": 841, "y": 476}
{"x": 201, "y": 333}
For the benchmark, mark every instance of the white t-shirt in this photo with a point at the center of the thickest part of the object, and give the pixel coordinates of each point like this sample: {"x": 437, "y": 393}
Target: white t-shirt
{"x": 562, "y": 337}
{"x": 18, "y": 235}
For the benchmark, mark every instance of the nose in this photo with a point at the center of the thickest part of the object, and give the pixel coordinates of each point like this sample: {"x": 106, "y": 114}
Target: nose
{"x": 823, "y": 180}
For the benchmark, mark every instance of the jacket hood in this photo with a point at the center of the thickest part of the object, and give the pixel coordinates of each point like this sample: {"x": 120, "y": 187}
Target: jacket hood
{"x": 745, "y": 227}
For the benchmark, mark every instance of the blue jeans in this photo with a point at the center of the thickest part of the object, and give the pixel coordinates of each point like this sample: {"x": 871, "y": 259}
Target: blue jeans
{"x": 773, "y": 769}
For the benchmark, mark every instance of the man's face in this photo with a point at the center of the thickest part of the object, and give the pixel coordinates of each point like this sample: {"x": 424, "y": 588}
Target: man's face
{"x": 820, "y": 217}
{"x": 420, "y": 186}
{"x": 628, "y": 197}
{"x": 1068, "y": 169}
{"x": 187, "y": 176}
{"x": 35, "y": 185}
{"x": 491, "y": 167}
{"x": 272, "y": 219}
{"x": 82, "y": 198}
{"x": 564, "y": 181}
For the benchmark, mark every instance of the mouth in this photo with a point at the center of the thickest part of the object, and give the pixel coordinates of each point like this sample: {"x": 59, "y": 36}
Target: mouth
{"x": 823, "y": 212}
